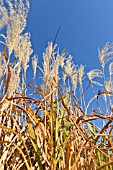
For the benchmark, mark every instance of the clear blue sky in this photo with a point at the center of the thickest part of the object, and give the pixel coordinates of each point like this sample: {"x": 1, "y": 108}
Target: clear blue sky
{"x": 86, "y": 25}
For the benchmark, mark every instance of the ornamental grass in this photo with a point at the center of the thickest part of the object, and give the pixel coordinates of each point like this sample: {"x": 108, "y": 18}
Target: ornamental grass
{"x": 62, "y": 123}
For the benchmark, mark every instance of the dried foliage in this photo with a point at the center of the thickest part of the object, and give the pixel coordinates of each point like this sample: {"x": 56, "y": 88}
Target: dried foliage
{"x": 60, "y": 124}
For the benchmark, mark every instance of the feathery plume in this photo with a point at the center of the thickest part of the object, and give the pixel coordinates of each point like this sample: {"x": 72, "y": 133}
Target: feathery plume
{"x": 108, "y": 87}
{"x": 3, "y": 16}
{"x": 47, "y": 61}
{"x": 68, "y": 68}
{"x": 94, "y": 74}
{"x": 15, "y": 79}
{"x": 106, "y": 54}
{"x": 56, "y": 63}
{"x": 111, "y": 76}
{"x": 16, "y": 23}
{"x": 34, "y": 64}
{"x": 23, "y": 49}
{"x": 74, "y": 79}
{"x": 111, "y": 68}
{"x": 81, "y": 74}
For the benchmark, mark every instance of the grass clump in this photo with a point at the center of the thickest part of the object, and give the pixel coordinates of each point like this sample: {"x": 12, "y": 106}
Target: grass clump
{"x": 56, "y": 125}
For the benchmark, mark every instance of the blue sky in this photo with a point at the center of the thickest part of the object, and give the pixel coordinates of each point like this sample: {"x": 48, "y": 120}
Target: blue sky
{"x": 86, "y": 25}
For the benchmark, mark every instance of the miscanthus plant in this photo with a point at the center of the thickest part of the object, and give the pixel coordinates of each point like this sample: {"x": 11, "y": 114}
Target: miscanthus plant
{"x": 64, "y": 123}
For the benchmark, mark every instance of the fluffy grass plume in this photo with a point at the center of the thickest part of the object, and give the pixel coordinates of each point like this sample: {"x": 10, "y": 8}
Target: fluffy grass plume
{"x": 59, "y": 124}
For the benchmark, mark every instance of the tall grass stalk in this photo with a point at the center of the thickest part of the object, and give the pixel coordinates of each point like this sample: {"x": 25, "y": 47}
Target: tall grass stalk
{"x": 54, "y": 125}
